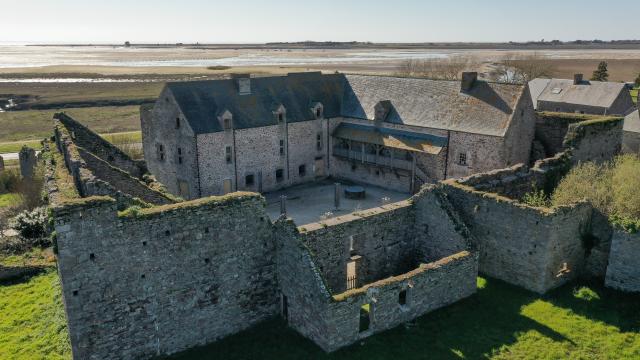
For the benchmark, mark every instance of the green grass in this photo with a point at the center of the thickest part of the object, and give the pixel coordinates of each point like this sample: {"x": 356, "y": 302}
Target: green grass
{"x": 33, "y": 324}
{"x": 500, "y": 322}
{"x": 21, "y": 126}
{"x": 9, "y": 200}
{"x": 15, "y": 146}
{"x": 130, "y": 137}
{"x": 577, "y": 321}
{"x": 634, "y": 95}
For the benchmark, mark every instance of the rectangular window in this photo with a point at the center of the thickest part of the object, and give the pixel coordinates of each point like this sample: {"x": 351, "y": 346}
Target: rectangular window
{"x": 249, "y": 180}
{"x": 179, "y": 155}
{"x": 462, "y": 159}
{"x": 281, "y": 147}
{"x": 319, "y": 142}
{"x": 302, "y": 170}
{"x": 177, "y": 123}
{"x": 402, "y": 298}
{"x": 279, "y": 175}
{"x": 227, "y": 154}
{"x": 160, "y": 152}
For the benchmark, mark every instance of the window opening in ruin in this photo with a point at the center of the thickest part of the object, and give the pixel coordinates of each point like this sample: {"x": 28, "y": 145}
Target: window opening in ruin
{"x": 143, "y": 276}
{"x": 206, "y": 260}
{"x": 281, "y": 147}
{"x": 179, "y": 155}
{"x": 160, "y": 152}
{"x": 302, "y": 170}
{"x": 279, "y": 175}
{"x": 75, "y": 292}
{"x": 177, "y": 123}
{"x": 319, "y": 142}
{"x": 249, "y": 180}
{"x": 352, "y": 278}
{"x": 227, "y": 154}
{"x": 365, "y": 317}
{"x": 402, "y": 298}
{"x": 92, "y": 256}
{"x": 206, "y": 230}
{"x": 285, "y": 307}
{"x": 462, "y": 159}
{"x": 144, "y": 243}
{"x": 167, "y": 233}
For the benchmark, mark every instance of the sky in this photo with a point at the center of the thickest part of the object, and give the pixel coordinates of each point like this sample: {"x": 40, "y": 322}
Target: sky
{"x": 257, "y": 21}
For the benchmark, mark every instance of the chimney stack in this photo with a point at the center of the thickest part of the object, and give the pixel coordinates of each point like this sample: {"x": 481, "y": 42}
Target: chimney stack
{"x": 244, "y": 83}
{"x": 468, "y": 79}
{"x": 577, "y": 79}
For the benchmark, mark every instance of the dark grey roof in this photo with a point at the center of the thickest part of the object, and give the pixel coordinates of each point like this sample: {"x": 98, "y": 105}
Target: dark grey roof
{"x": 486, "y": 109}
{"x": 202, "y": 101}
{"x": 536, "y": 87}
{"x": 590, "y": 93}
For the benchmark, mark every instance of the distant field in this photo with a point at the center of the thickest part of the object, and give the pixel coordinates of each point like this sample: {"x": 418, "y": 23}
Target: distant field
{"x": 38, "y": 124}
{"x": 63, "y": 93}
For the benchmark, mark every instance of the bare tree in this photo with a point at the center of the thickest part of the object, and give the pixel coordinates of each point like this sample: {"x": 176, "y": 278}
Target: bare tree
{"x": 445, "y": 69}
{"x": 522, "y": 69}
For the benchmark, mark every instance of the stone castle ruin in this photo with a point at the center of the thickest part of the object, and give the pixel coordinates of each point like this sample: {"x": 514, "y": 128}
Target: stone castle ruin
{"x": 145, "y": 274}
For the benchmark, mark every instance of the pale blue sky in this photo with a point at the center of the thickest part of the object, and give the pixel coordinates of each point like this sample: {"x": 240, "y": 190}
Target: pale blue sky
{"x": 243, "y": 21}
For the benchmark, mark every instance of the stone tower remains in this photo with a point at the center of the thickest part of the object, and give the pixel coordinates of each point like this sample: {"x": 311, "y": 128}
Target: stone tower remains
{"x": 27, "y": 162}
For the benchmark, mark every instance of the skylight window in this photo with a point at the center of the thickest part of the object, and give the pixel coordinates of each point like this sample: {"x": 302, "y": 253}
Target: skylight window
{"x": 556, "y": 90}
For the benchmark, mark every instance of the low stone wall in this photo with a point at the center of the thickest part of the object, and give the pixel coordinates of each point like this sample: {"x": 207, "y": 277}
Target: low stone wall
{"x": 623, "y": 272}
{"x": 596, "y": 140}
{"x": 427, "y": 288}
{"x": 95, "y": 144}
{"x": 165, "y": 279}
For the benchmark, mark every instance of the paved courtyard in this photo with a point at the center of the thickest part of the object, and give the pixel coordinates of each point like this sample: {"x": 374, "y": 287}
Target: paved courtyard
{"x": 313, "y": 202}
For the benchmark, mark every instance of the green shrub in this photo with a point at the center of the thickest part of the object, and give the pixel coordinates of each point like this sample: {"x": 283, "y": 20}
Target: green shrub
{"x": 9, "y": 181}
{"x": 586, "y": 294}
{"x": 33, "y": 225}
{"x": 536, "y": 198}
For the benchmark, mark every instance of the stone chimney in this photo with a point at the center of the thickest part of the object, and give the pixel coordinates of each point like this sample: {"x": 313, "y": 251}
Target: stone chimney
{"x": 243, "y": 82}
{"x": 577, "y": 79}
{"x": 468, "y": 79}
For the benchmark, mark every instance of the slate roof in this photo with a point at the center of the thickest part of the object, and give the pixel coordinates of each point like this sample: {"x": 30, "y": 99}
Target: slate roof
{"x": 589, "y": 93}
{"x": 202, "y": 101}
{"x": 486, "y": 109}
{"x": 439, "y": 104}
{"x": 536, "y": 87}
{"x": 632, "y": 122}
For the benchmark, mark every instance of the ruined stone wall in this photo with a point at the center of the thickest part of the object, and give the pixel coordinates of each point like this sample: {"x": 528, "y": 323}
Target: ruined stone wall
{"x": 551, "y": 129}
{"x": 596, "y": 140}
{"x": 120, "y": 181}
{"x": 429, "y": 287}
{"x": 165, "y": 279}
{"x": 521, "y": 245}
{"x": 398, "y": 180}
{"x": 631, "y": 142}
{"x": 623, "y": 272}
{"x": 95, "y": 144}
{"x": 379, "y": 248}
{"x": 159, "y": 128}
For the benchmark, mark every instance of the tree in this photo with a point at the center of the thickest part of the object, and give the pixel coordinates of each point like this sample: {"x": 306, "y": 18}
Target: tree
{"x": 522, "y": 69}
{"x": 443, "y": 69}
{"x": 127, "y": 44}
{"x": 602, "y": 73}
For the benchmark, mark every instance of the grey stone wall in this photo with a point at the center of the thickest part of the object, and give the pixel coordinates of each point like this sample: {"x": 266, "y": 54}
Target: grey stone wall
{"x": 623, "y": 272}
{"x": 159, "y": 128}
{"x": 483, "y": 153}
{"x": 165, "y": 280}
{"x": 28, "y": 160}
{"x": 383, "y": 251}
{"x": 94, "y": 143}
{"x": 631, "y": 142}
{"x": 537, "y": 249}
{"x": 519, "y": 136}
{"x": 595, "y": 140}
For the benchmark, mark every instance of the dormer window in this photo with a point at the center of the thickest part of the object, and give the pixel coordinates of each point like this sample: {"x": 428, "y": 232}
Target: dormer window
{"x": 317, "y": 110}
{"x": 226, "y": 119}
{"x": 280, "y": 117}
{"x": 279, "y": 113}
{"x": 382, "y": 110}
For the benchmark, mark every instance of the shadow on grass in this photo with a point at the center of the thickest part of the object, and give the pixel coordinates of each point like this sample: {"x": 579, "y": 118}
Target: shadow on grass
{"x": 471, "y": 329}
{"x": 13, "y": 275}
{"x": 612, "y": 307}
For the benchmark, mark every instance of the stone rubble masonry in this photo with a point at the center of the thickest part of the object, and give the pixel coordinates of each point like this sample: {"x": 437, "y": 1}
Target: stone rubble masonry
{"x": 95, "y": 144}
{"x": 167, "y": 279}
{"x": 623, "y": 272}
{"x": 95, "y": 176}
{"x": 28, "y": 160}
{"x": 596, "y": 140}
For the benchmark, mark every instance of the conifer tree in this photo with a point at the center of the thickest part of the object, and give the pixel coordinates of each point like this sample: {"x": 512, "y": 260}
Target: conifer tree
{"x": 602, "y": 73}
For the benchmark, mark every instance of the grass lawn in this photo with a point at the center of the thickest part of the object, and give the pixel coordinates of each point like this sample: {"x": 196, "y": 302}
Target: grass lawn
{"x": 578, "y": 321}
{"x": 9, "y": 199}
{"x": 634, "y": 95}
{"x": 21, "y": 126}
{"x": 33, "y": 324}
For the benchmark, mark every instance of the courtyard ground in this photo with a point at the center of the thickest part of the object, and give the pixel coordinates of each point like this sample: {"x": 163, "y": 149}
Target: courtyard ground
{"x": 312, "y": 202}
